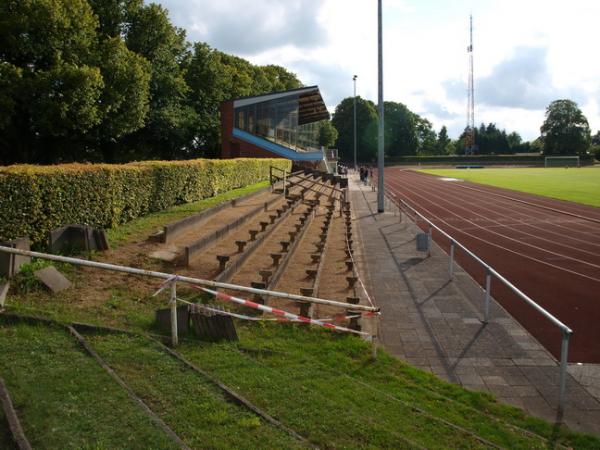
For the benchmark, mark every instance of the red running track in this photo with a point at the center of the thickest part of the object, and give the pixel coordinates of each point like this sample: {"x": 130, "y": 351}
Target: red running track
{"x": 549, "y": 249}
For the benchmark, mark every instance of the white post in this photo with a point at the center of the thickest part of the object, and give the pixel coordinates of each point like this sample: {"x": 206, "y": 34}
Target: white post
{"x": 563, "y": 371}
{"x": 173, "y": 304}
{"x": 284, "y": 184}
{"x": 488, "y": 285}
{"x": 429, "y": 240}
{"x": 451, "y": 263}
{"x": 380, "y": 133}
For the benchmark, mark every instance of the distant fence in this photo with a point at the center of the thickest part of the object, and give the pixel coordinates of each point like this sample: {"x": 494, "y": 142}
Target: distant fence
{"x": 496, "y": 160}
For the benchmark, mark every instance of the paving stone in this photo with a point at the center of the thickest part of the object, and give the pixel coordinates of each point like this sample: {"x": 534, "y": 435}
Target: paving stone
{"x": 436, "y": 325}
{"x": 52, "y": 278}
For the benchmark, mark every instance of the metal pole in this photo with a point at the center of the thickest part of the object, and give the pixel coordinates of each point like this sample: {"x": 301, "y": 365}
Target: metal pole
{"x": 354, "y": 79}
{"x": 173, "y": 304}
{"x": 380, "y": 192}
{"x": 451, "y": 264}
{"x": 429, "y": 240}
{"x": 488, "y": 285}
{"x": 563, "y": 370}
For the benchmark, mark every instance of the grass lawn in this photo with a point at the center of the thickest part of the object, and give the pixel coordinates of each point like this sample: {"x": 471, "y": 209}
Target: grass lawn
{"x": 322, "y": 384}
{"x": 155, "y": 221}
{"x": 576, "y": 185}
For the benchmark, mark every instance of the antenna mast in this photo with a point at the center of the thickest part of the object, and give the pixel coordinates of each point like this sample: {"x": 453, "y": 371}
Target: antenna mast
{"x": 470, "y": 146}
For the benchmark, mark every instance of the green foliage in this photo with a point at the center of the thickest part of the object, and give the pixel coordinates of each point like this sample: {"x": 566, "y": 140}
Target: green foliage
{"x": 113, "y": 81}
{"x": 366, "y": 129}
{"x": 401, "y": 134}
{"x": 478, "y": 159}
{"x": 34, "y": 200}
{"x": 327, "y": 134}
{"x": 25, "y": 281}
{"x": 444, "y": 143}
{"x": 566, "y": 130}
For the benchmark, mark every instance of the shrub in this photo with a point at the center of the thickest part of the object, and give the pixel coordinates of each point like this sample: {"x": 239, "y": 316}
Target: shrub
{"x": 36, "y": 199}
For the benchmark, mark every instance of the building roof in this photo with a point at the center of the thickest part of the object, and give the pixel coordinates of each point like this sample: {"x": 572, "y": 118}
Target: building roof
{"x": 311, "y": 106}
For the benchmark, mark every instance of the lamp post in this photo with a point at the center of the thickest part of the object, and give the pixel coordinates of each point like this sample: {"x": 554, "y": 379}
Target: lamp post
{"x": 380, "y": 197}
{"x": 354, "y": 79}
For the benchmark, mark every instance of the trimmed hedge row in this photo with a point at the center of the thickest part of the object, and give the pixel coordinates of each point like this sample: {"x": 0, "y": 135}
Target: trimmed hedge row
{"x": 479, "y": 159}
{"x": 36, "y": 199}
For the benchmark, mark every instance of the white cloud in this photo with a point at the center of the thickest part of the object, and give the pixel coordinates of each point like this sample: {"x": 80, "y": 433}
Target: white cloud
{"x": 526, "y": 52}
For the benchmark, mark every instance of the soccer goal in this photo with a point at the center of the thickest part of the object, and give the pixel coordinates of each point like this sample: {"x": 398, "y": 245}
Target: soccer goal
{"x": 561, "y": 161}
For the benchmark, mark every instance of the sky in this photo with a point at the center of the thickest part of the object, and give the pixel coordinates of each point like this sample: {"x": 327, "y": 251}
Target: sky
{"x": 527, "y": 53}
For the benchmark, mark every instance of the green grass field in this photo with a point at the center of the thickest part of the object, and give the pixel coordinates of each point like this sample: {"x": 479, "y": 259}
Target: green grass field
{"x": 575, "y": 185}
{"x": 324, "y": 385}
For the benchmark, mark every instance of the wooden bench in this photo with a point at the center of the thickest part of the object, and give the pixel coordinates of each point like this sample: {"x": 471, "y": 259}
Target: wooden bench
{"x": 265, "y": 275}
{"x": 240, "y": 245}
{"x": 272, "y": 218}
{"x": 311, "y": 273}
{"x": 285, "y": 245}
{"x": 276, "y": 258}
{"x": 253, "y": 234}
{"x": 263, "y": 225}
{"x": 222, "y": 261}
{"x": 315, "y": 258}
{"x": 349, "y": 265}
{"x": 351, "y": 282}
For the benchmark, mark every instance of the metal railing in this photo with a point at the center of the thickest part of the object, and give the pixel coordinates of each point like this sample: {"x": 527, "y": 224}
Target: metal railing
{"x": 489, "y": 273}
{"x": 171, "y": 280}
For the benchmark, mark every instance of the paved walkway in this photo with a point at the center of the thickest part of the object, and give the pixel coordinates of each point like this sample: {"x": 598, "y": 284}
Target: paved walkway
{"x": 436, "y": 324}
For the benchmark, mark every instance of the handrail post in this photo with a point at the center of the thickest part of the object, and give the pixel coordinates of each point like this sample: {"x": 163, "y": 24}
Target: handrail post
{"x": 488, "y": 286}
{"x": 173, "y": 305}
{"x": 429, "y": 239}
{"x": 451, "y": 262}
{"x": 563, "y": 370}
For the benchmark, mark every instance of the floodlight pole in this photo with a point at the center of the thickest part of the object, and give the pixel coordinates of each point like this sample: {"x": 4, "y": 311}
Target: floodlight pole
{"x": 380, "y": 192}
{"x": 354, "y": 79}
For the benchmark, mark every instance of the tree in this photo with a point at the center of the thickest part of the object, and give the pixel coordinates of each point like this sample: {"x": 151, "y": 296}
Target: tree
{"x": 366, "y": 129}
{"x": 327, "y": 134}
{"x": 426, "y": 137}
{"x": 114, "y": 16}
{"x": 400, "y": 130}
{"x": 565, "y": 129}
{"x": 171, "y": 120}
{"x": 443, "y": 141}
{"x": 52, "y": 89}
{"x": 125, "y": 98}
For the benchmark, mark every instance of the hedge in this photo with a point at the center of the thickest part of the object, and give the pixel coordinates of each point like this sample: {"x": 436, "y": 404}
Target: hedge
{"x": 37, "y": 199}
{"x": 479, "y": 159}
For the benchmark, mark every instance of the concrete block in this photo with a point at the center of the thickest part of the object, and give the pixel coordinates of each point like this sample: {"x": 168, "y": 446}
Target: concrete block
{"x": 168, "y": 254}
{"x": 3, "y": 291}
{"x": 9, "y": 263}
{"x": 53, "y": 279}
{"x": 72, "y": 239}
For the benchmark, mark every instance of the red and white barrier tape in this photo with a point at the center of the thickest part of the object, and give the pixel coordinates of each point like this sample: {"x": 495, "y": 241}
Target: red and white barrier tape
{"x": 237, "y": 316}
{"x": 163, "y": 286}
{"x": 337, "y": 318}
{"x": 279, "y": 312}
